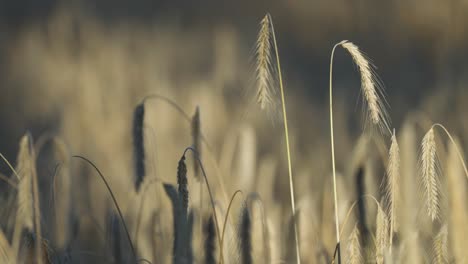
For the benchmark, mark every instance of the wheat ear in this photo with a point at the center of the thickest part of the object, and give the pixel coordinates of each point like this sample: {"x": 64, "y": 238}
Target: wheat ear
{"x": 392, "y": 187}
{"x": 429, "y": 172}
{"x": 210, "y": 245}
{"x": 459, "y": 153}
{"x": 267, "y": 34}
{"x": 439, "y": 246}
{"x": 382, "y": 238}
{"x": 245, "y": 236}
{"x": 263, "y": 65}
{"x": 25, "y": 199}
{"x": 370, "y": 85}
{"x": 138, "y": 145}
{"x": 374, "y": 98}
{"x": 354, "y": 248}
{"x": 28, "y": 197}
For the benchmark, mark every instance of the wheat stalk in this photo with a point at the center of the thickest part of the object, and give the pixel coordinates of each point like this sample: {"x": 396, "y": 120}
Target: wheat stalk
{"x": 439, "y": 246}
{"x": 265, "y": 91}
{"x": 354, "y": 248}
{"x": 429, "y": 173}
{"x": 392, "y": 187}
{"x": 374, "y": 98}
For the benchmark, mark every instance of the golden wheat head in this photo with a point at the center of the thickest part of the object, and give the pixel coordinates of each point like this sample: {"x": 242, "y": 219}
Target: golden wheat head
{"x": 25, "y": 167}
{"x": 429, "y": 172}
{"x": 382, "y": 238}
{"x": 370, "y": 85}
{"x": 354, "y": 254}
{"x": 264, "y": 77}
{"x": 440, "y": 246}
{"x": 392, "y": 187}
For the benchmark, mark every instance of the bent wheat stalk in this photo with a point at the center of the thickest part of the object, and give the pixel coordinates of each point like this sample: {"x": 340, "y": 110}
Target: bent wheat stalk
{"x": 265, "y": 97}
{"x": 459, "y": 153}
{"x": 376, "y": 108}
{"x": 430, "y": 170}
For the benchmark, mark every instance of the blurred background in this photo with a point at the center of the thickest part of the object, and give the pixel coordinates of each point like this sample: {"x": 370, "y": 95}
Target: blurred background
{"x": 77, "y": 69}
{"x": 419, "y": 48}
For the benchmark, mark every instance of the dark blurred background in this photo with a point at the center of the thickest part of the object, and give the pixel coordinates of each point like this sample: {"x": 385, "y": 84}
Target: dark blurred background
{"x": 419, "y": 46}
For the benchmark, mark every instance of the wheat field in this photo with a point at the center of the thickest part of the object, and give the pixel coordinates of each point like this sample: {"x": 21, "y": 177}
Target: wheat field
{"x": 149, "y": 143}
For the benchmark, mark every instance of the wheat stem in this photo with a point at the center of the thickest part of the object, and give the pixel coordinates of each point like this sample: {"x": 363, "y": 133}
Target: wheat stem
{"x": 195, "y": 155}
{"x": 335, "y": 196}
{"x": 227, "y": 215}
{"x": 285, "y": 118}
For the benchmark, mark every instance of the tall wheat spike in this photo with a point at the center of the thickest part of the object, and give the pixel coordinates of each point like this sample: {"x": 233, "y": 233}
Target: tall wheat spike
{"x": 392, "y": 187}
{"x": 429, "y": 172}
{"x": 265, "y": 88}
{"x": 440, "y": 246}
{"x": 375, "y": 102}
{"x": 265, "y": 97}
{"x": 354, "y": 248}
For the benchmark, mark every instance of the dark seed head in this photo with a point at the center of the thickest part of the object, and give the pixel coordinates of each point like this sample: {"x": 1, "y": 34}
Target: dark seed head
{"x": 183, "y": 184}
{"x": 138, "y": 145}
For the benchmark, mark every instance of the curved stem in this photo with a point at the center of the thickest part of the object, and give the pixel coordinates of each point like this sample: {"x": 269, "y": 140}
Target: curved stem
{"x": 195, "y": 154}
{"x": 332, "y": 140}
{"x": 351, "y": 209}
{"x": 460, "y": 156}
{"x": 286, "y": 134}
{"x": 181, "y": 111}
{"x": 113, "y": 199}
{"x": 227, "y": 215}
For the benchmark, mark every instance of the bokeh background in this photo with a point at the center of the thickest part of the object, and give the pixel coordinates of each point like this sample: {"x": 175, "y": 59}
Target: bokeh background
{"x": 77, "y": 69}
{"x": 419, "y": 48}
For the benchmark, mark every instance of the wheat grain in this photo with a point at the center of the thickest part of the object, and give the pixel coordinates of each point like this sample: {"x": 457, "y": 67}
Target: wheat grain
{"x": 429, "y": 173}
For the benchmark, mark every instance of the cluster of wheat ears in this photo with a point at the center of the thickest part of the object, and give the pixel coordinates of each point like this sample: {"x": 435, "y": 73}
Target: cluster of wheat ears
{"x": 25, "y": 243}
